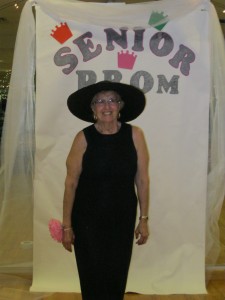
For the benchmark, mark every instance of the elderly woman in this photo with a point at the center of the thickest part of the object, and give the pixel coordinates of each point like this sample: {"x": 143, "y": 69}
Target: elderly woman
{"x": 106, "y": 161}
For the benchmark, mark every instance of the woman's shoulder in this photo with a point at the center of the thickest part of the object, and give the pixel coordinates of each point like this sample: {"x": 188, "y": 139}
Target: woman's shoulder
{"x": 137, "y": 131}
{"x": 137, "y": 135}
{"x": 89, "y": 132}
{"x": 88, "y": 128}
{"x": 79, "y": 139}
{"x": 134, "y": 129}
{"x": 80, "y": 135}
{"x": 77, "y": 149}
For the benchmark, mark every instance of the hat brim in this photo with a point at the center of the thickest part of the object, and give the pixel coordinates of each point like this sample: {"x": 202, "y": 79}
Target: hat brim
{"x": 79, "y": 102}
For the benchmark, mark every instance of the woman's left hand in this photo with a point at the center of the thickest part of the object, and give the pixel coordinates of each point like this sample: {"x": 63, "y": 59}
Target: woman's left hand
{"x": 142, "y": 232}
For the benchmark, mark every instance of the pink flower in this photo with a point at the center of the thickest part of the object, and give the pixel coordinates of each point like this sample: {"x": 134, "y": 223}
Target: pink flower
{"x": 55, "y": 228}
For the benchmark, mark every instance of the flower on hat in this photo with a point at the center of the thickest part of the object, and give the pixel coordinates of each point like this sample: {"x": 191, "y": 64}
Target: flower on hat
{"x": 55, "y": 228}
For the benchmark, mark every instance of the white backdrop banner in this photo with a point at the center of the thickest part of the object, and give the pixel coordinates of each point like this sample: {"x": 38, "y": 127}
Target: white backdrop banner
{"x": 163, "y": 48}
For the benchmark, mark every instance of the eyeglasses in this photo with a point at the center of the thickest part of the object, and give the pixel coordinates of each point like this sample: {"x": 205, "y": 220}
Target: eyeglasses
{"x": 101, "y": 102}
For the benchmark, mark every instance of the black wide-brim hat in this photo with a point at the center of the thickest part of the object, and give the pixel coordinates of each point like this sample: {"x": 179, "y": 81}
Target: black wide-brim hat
{"x": 79, "y": 103}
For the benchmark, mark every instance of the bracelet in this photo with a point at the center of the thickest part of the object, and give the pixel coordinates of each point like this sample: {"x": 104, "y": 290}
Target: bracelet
{"x": 66, "y": 228}
{"x": 143, "y": 218}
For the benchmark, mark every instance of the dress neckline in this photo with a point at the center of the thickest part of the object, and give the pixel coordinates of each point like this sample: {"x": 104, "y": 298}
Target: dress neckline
{"x": 110, "y": 134}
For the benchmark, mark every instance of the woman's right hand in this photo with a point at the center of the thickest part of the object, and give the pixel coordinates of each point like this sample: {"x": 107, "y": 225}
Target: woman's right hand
{"x": 68, "y": 239}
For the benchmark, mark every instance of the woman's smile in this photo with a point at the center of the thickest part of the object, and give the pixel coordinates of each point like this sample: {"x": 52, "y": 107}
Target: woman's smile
{"x": 106, "y": 106}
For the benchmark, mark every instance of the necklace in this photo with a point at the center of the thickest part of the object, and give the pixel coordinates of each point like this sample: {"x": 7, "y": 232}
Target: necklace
{"x": 108, "y": 131}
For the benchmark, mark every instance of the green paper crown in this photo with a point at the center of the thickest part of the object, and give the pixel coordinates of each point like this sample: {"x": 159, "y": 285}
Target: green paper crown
{"x": 156, "y": 18}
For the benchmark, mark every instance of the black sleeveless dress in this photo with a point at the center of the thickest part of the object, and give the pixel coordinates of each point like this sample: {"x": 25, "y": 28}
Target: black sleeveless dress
{"x": 104, "y": 213}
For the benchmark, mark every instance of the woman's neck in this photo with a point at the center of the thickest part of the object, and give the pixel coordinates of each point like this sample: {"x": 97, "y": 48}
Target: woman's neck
{"x": 108, "y": 128}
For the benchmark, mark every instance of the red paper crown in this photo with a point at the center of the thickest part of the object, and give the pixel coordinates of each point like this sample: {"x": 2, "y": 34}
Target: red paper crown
{"x": 61, "y": 33}
{"x": 126, "y": 60}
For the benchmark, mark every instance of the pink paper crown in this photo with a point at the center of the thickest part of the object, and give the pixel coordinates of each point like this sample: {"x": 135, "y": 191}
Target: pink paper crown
{"x": 55, "y": 228}
{"x": 126, "y": 60}
{"x": 61, "y": 33}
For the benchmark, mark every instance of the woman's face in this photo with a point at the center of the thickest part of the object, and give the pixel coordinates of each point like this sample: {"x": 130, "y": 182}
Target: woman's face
{"x": 106, "y": 106}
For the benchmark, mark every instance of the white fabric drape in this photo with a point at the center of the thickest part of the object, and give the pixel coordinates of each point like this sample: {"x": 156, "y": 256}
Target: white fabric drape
{"x": 17, "y": 152}
{"x": 216, "y": 163}
{"x": 18, "y": 143}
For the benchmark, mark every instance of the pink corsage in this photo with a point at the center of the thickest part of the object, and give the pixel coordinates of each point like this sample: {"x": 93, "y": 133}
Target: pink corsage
{"x": 56, "y": 231}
